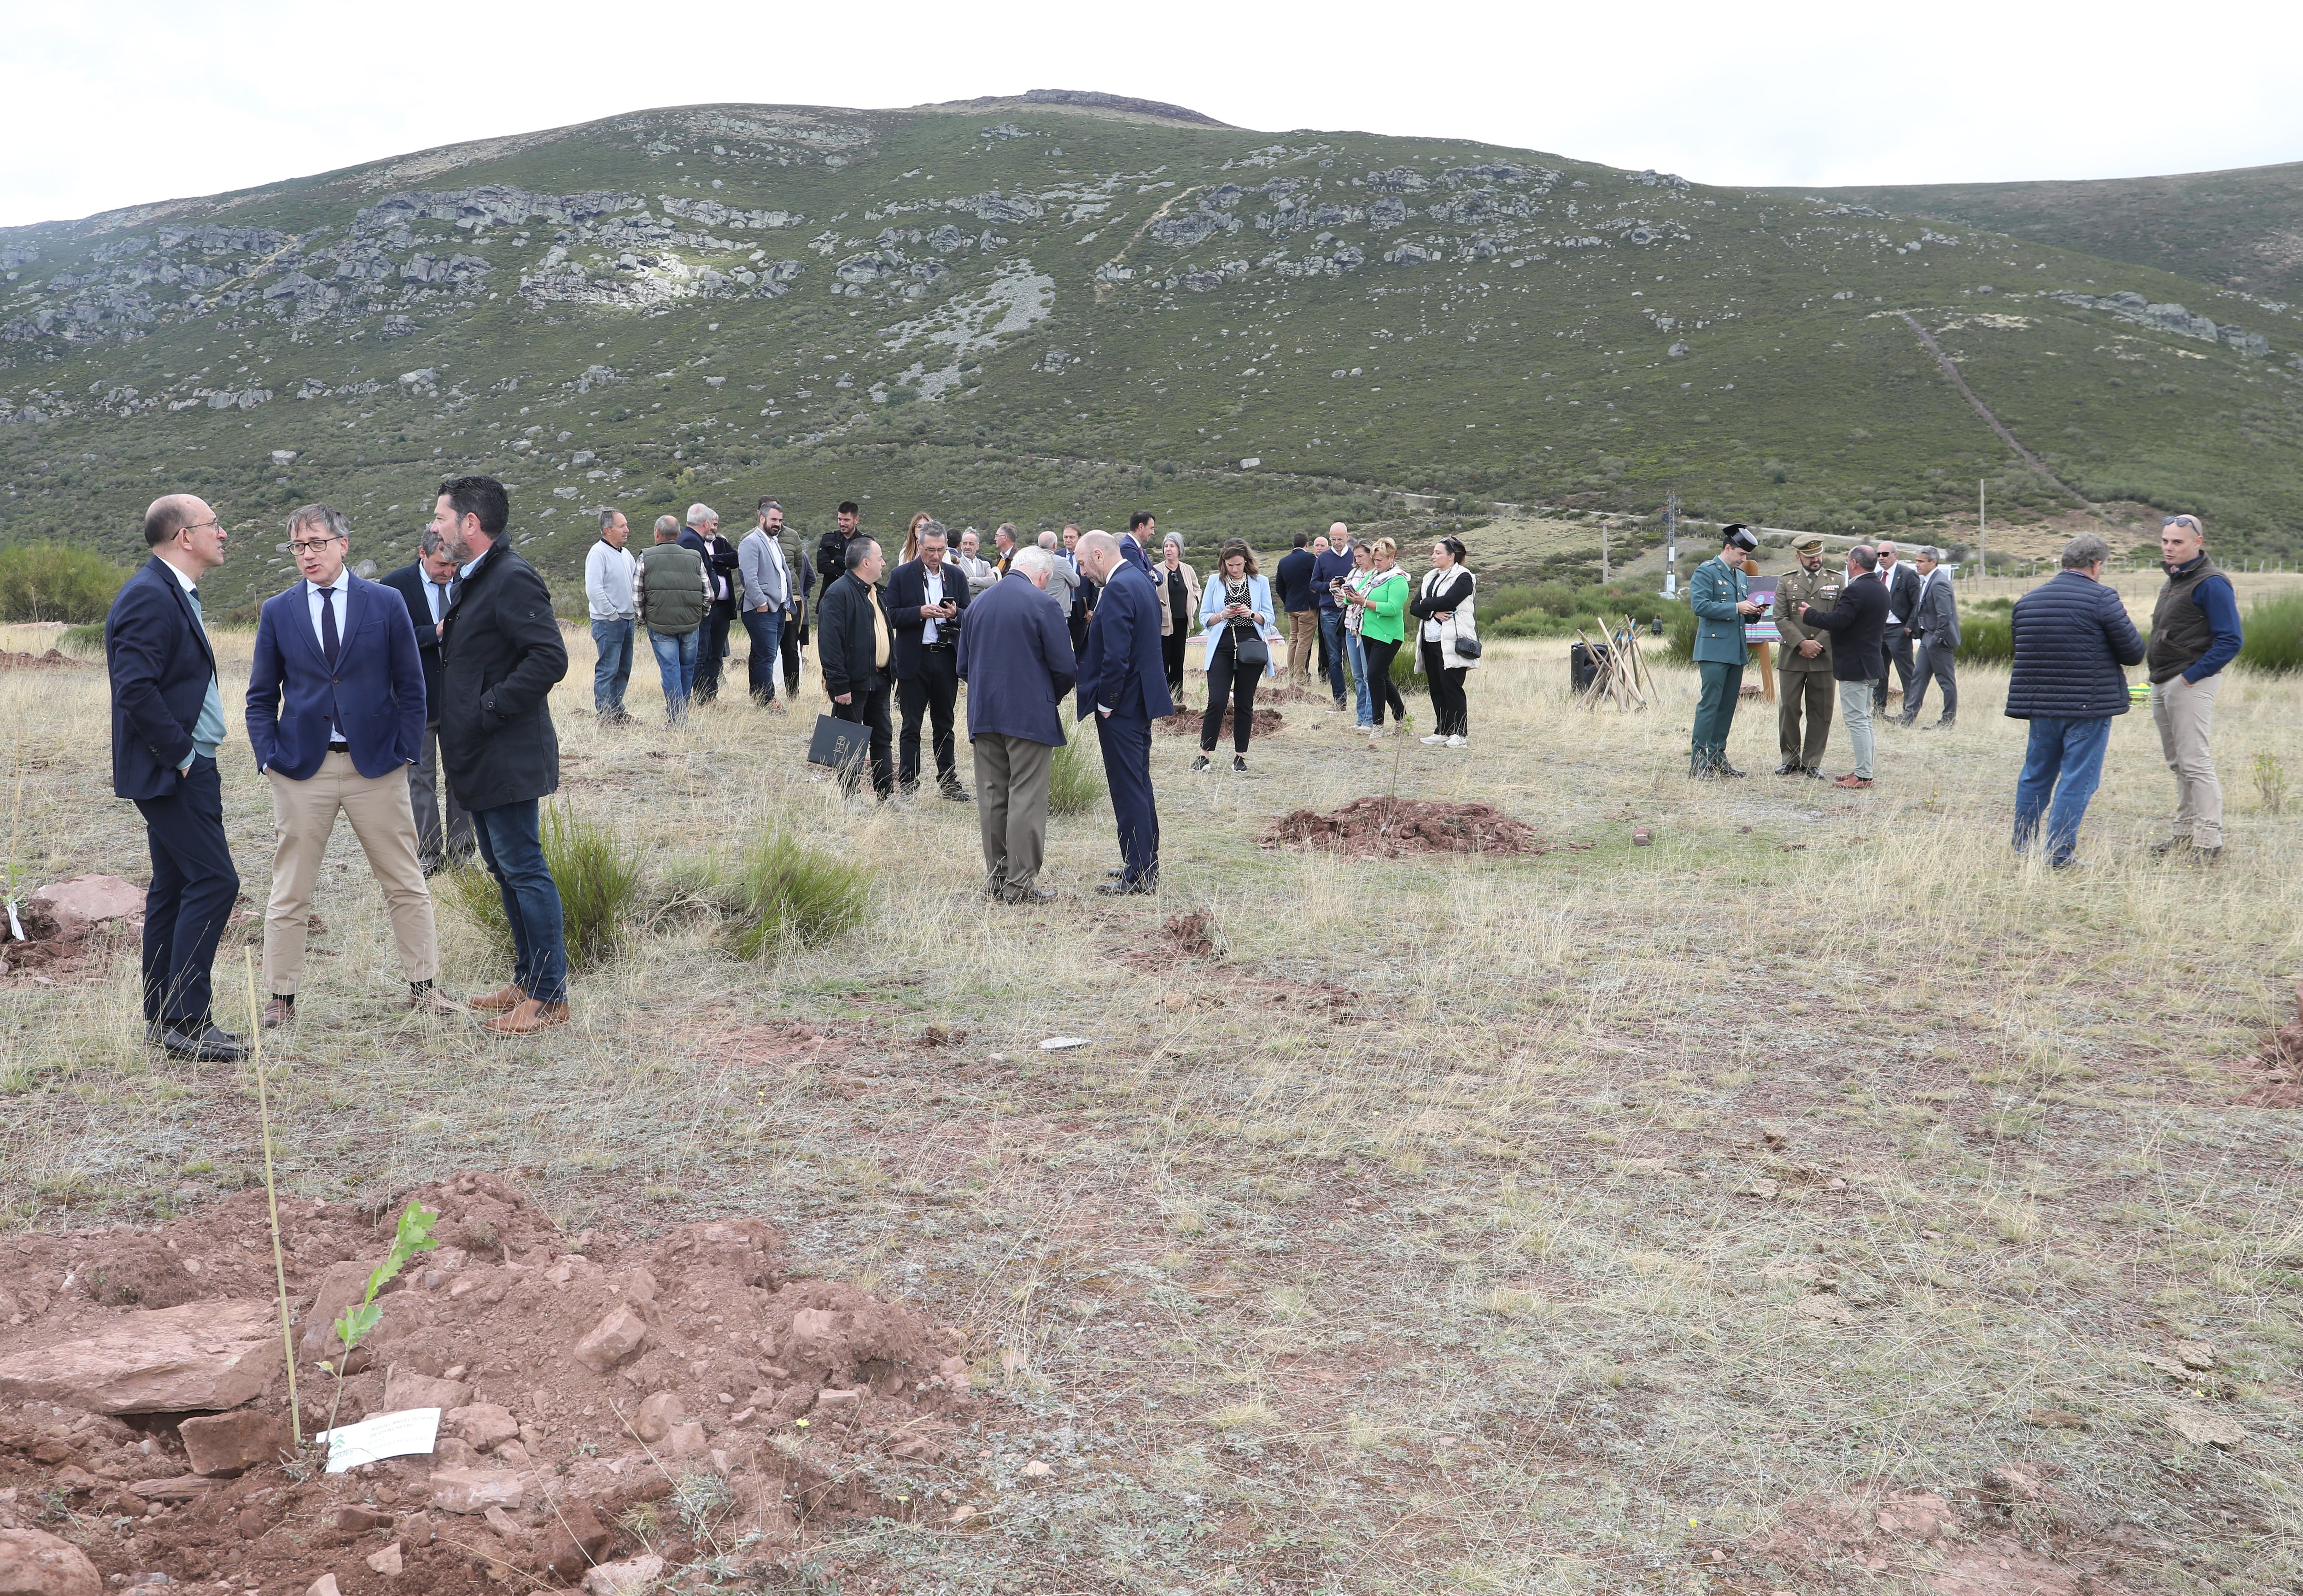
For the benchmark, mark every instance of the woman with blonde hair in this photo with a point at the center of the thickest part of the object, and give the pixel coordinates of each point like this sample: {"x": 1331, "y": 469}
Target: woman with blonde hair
{"x": 912, "y": 538}
{"x": 1179, "y": 606}
{"x": 1382, "y": 610}
{"x": 1236, "y": 612}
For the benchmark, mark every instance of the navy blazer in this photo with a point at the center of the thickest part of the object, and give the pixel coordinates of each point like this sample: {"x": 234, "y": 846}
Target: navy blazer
{"x": 1121, "y": 669}
{"x": 1015, "y": 656}
{"x": 374, "y": 694}
{"x": 409, "y": 582}
{"x": 906, "y": 593}
{"x": 160, "y": 664}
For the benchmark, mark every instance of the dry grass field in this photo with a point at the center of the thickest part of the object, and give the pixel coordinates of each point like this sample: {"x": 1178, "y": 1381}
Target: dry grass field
{"x": 1816, "y": 1200}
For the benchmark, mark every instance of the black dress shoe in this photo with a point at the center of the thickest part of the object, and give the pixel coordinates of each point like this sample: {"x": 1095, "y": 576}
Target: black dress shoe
{"x": 956, "y": 794}
{"x": 1787, "y": 768}
{"x": 1029, "y": 895}
{"x": 1724, "y": 769}
{"x": 205, "y": 1044}
{"x": 1811, "y": 771}
{"x": 1116, "y": 871}
{"x": 1144, "y": 888}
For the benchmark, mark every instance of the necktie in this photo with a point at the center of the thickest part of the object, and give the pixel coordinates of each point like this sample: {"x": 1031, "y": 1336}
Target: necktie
{"x": 329, "y": 642}
{"x": 439, "y": 601}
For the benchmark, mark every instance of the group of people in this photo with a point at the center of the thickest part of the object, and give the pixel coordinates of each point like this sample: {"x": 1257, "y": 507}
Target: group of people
{"x": 2073, "y": 643}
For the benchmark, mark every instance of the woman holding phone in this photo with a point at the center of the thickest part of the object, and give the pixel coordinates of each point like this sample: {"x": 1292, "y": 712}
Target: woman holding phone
{"x": 1382, "y": 610}
{"x": 1448, "y": 645}
{"x": 1236, "y": 612}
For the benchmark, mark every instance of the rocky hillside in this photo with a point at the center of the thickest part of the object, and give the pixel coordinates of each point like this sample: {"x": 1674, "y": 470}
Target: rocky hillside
{"x": 1077, "y": 305}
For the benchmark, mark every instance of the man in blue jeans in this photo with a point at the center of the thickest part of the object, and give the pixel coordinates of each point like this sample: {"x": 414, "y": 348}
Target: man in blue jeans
{"x": 608, "y": 570}
{"x": 1328, "y": 568}
{"x": 672, "y": 593}
{"x": 500, "y": 656}
{"x": 2073, "y": 641}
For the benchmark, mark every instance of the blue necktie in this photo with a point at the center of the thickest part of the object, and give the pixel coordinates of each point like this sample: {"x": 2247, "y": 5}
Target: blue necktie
{"x": 329, "y": 642}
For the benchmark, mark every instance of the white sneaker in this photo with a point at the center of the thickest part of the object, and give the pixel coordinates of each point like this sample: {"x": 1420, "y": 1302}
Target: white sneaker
{"x": 1435, "y": 739}
{"x": 1459, "y": 742}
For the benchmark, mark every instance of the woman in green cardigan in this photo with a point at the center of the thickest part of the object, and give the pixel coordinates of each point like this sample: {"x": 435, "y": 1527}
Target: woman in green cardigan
{"x": 1383, "y": 626}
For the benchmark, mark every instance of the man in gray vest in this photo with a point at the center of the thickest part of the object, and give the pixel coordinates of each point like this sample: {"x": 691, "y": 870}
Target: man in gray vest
{"x": 2195, "y": 633}
{"x": 672, "y": 592}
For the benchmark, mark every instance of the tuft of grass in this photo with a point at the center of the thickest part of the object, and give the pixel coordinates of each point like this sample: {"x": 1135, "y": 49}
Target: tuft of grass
{"x": 1986, "y": 639}
{"x": 798, "y": 895}
{"x": 2274, "y": 634}
{"x": 2271, "y": 781}
{"x": 472, "y": 894}
{"x": 1075, "y": 781}
{"x": 85, "y": 641}
{"x": 599, "y": 882}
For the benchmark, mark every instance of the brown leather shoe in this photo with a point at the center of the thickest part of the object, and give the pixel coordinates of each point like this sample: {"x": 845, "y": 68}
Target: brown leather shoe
{"x": 528, "y": 1018}
{"x": 277, "y": 1013}
{"x": 432, "y": 1003}
{"x": 498, "y": 1003}
{"x": 1853, "y": 781}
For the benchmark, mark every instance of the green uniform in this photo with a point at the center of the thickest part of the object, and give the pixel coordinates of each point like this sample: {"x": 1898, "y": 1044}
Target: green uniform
{"x": 1807, "y": 684}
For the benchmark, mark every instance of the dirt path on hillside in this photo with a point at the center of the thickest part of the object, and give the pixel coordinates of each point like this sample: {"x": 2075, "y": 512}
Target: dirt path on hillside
{"x": 1952, "y": 371}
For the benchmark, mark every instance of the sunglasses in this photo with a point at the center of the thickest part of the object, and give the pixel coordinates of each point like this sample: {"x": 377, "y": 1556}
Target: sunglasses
{"x": 2180, "y": 521}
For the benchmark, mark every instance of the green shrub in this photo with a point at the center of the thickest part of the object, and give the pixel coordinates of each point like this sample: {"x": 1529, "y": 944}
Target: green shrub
{"x": 1986, "y": 639}
{"x": 86, "y": 641}
{"x": 56, "y": 581}
{"x": 800, "y": 896}
{"x": 599, "y": 882}
{"x": 1075, "y": 779}
{"x": 1680, "y": 633}
{"x": 2274, "y": 634}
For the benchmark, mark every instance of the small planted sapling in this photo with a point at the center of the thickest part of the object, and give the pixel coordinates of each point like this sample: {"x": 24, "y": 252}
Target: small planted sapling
{"x": 413, "y": 1236}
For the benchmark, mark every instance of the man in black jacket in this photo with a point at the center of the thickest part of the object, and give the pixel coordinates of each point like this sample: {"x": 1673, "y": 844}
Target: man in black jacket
{"x": 1901, "y": 584}
{"x": 167, "y": 721}
{"x": 500, "y": 656}
{"x": 426, "y": 583}
{"x": 926, "y": 598}
{"x": 722, "y": 569}
{"x": 1856, "y": 624}
{"x": 1291, "y": 585}
{"x": 831, "y": 548}
{"x": 854, "y": 648}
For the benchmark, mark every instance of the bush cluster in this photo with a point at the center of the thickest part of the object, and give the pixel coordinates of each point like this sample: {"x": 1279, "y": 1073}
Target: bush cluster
{"x": 56, "y": 581}
{"x": 2274, "y": 634}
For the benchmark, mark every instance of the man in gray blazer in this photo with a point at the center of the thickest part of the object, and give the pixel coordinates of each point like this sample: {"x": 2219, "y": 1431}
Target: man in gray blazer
{"x": 1935, "y": 622}
{"x": 767, "y": 601}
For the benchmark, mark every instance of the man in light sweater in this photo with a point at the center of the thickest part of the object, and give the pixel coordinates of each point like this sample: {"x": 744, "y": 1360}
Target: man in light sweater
{"x": 767, "y": 598}
{"x": 608, "y": 571}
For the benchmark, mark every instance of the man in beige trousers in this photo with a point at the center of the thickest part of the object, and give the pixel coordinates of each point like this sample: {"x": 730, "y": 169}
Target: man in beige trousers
{"x": 336, "y": 706}
{"x": 2195, "y": 633}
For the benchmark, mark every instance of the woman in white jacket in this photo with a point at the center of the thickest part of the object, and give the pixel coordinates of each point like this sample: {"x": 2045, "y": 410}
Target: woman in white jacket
{"x": 1444, "y": 602}
{"x": 1235, "y": 613}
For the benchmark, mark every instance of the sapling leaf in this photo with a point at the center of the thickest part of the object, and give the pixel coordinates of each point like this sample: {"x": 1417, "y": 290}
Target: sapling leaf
{"x": 412, "y": 1236}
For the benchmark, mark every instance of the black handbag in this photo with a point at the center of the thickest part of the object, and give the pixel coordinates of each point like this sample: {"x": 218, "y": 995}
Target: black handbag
{"x": 1467, "y": 646}
{"x": 838, "y": 743}
{"x": 1248, "y": 648}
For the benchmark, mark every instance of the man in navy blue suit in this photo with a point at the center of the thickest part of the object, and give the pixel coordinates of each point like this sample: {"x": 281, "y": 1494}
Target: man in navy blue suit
{"x": 336, "y": 706}
{"x": 1015, "y": 656}
{"x": 1123, "y": 683}
{"x": 167, "y": 721}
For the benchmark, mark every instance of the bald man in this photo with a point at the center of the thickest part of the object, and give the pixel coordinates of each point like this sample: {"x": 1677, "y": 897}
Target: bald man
{"x": 1327, "y": 570}
{"x": 168, "y": 722}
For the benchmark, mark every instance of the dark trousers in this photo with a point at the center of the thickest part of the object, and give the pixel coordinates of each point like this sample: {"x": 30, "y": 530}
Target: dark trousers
{"x": 1126, "y": 744}
{"x": 711, "y": 651}
{"x": 1895, "y": 650}
{"x": 766, "y": 630}
{"x": 1451, "y": 706}
{"x": 870, "y": 709}
{"x": 1171, "y": 655}
{"x": 936, "y": 690}
{"x": 190, "y": 898}
{"x": 1228, "y": 680}
{"x": 1381, "y": 690}
{"x": 512, "y": 847}
{"x": 1937, "y": 663}
{"x": 1332, "y": 635}
{"x": 1715, "y": 712}
{"x": 427, "y": 793}
{"x": 1813, "y": 692}
{"x": 794, "y": 634}
{"x": 1078, "y": 621}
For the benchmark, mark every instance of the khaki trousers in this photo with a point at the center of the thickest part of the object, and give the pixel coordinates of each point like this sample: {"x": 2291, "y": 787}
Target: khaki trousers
{"x": 1811, "y": 692}
{"x": 1011, "y": 806}
{"x": 1303, "y": 645}
{"x": 304, "y": 816}
{"x": 2185, "y": 713}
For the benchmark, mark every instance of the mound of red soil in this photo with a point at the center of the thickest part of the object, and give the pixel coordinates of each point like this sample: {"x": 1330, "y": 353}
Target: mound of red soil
{"x": 2275, "y": 1079}
{"x": 50, "y": 660}
{"x": 680, "y": 1396}
{"x": 1185, "y": 723}
{"x": 1391, "y": 827}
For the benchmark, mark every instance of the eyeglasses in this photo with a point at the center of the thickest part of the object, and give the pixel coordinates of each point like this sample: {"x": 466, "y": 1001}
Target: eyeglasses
{"x": 201, "y": 525}
{"x": 312, "y": 547}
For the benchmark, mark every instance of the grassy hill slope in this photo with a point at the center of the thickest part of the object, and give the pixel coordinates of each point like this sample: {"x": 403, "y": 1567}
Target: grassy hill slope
{"x": 2241, "y": 229}
{"x": 1036, "y": 311}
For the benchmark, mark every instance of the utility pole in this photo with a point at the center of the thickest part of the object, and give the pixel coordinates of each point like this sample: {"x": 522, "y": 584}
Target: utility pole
{"x": 1671, "y": 541}
{"x": 1981, "y": 559}
{"x": 1603, "y": 553}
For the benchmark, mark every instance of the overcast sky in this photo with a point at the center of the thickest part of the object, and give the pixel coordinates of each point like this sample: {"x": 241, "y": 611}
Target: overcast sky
{"x": 113, "y": 104}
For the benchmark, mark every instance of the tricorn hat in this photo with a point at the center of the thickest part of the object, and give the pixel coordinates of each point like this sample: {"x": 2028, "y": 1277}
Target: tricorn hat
{"x": 1740, "y": 535}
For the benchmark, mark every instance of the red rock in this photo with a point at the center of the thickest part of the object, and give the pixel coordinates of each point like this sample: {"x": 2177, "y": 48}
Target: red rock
{"x": 613, "y": 1339}
{"x": 34, "y": 1562}
{"x": 657, "y": 1414}
{"x": 575, "y": 1539}
{"x": 226, "y": 1443}
{"x": 404, "y": 1387}
{"x": 196, "y": 1358}
{"x": 74, "y": 908}
{"x": 387, "y": 1562}
{"x": 482, "y": 1424}
{"x": 341, "y": 1287}
{"x": 475, "y": 1490}
{"x": 357, "y": 1521}
{"x": 181, "y": 1488}
{"x": 685, "y": 1441}
{"x": 325, "y": 1585}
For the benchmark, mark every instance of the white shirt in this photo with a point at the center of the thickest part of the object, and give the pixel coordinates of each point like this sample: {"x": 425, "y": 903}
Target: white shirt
{"x": 1887, "y": 580}
{"x": 341, "y": 588}
{"x": 608, "y": 582}
{"x": 935, "y": 596}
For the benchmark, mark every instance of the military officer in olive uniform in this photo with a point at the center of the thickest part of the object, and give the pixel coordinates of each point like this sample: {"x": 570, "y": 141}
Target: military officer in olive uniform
{"x": 1806, "y": 667}
{"x": 1720, "y": 595}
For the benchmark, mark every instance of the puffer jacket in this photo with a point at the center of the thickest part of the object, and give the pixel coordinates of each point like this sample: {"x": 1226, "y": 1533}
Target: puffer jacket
{"x": 2073, "y": 637}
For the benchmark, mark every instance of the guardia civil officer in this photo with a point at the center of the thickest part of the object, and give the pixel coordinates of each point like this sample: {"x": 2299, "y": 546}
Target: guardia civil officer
{"x": 1806, "y": 665}
{"x": 1720, "y": 595}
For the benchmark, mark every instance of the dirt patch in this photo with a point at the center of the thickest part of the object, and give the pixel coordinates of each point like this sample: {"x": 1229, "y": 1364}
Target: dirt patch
{"x": 52, "y": 659}
{"x": 50, "y": 960}
{"x": 680, "y": 1397}
{"x": 1271, "y": 695}
{"x": 1392, "y": 827}
{"x": 778, "y": 1042}
{"x": 1185, "y": 723}
{"x": 1193, "y": 936}
{"x": 2274, "y": 1079}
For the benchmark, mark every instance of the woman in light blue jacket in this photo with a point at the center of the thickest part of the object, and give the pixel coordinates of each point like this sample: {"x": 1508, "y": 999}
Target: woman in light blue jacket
{"x": 1235, "y": 613}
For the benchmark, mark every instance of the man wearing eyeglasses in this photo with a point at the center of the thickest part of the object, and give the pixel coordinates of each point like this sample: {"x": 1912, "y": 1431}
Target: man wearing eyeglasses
{"x": 427, "y": 585}
{"x": 167, "y": 722}
{"x": 336, "y": 706}
{"x": 2195, "y": 633}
